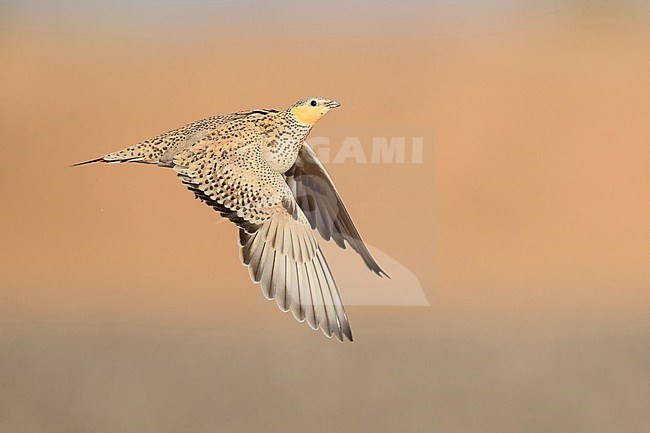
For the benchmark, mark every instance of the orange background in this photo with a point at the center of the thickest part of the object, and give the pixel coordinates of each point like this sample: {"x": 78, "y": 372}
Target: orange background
{"x": 125, "y": 308}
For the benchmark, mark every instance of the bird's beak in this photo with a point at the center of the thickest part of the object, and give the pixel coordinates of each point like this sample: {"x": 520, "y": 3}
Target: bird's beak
{"x": 332, "y": 104}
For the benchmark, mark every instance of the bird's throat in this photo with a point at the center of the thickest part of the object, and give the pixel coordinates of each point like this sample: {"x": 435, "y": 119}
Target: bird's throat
{"x": 306, "y": 115}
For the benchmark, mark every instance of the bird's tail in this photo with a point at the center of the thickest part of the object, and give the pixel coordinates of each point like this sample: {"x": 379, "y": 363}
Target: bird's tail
{"x": 142, "y": 152}
{"x": 88, "y": 162}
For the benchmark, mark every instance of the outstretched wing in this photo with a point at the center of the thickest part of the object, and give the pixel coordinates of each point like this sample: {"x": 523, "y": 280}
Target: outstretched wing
{"x": 318, "y": 198}
{"x": 275, "y": 240}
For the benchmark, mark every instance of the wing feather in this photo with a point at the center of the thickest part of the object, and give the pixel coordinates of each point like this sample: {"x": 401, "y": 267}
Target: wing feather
{"x": 305, "y": 294}
{"x": 321, "y": 203}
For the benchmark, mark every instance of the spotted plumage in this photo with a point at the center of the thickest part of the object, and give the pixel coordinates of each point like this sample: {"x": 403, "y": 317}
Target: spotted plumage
{"x": 255, "y": 168}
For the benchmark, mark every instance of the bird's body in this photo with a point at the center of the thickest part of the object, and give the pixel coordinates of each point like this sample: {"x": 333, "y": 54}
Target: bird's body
{"x": 255, "y": 168}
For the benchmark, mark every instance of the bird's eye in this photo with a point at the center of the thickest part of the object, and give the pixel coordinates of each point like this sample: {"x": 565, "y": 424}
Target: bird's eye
{"x": 313, "y": 103}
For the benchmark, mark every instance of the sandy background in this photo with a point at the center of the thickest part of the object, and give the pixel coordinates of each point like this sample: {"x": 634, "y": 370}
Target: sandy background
{"x": 124, "y": 308}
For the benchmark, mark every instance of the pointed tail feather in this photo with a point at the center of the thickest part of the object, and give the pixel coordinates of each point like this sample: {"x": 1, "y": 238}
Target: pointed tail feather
{"x": 107, "y": 158}
{"x": 88, "y": 162}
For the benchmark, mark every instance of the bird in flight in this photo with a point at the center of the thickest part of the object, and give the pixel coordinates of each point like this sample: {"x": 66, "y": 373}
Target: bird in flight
{"x": 255, "y": 169}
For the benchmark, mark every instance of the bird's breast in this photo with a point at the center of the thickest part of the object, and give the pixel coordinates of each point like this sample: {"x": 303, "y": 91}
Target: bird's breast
{"x": 281, "y": 151}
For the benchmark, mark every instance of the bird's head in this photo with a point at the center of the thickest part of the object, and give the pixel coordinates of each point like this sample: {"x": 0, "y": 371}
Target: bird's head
{"x": 309, "y": 111}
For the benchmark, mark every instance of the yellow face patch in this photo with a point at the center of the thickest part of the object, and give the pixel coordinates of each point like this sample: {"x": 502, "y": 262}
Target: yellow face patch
{"x": 307, "y": 115}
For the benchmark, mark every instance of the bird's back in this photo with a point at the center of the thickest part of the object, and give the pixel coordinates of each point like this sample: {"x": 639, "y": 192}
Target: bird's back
{"x": 163, "y": 148}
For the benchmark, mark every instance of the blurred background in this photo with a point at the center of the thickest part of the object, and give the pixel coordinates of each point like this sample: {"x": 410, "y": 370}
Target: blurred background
{"x": 124, "y": 307}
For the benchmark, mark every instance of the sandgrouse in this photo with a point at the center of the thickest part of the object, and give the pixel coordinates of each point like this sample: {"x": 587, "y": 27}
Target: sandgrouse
{"x": 255, "y": 168}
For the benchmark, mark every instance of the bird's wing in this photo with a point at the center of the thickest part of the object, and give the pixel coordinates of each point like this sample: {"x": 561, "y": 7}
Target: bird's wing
{"x": 321, "y": 203}
{"x": 275, "y": 240}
